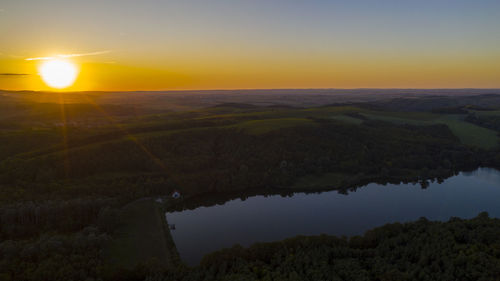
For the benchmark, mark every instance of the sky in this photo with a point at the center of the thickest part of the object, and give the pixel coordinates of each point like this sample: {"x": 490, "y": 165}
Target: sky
{"x": 235, "y": 44}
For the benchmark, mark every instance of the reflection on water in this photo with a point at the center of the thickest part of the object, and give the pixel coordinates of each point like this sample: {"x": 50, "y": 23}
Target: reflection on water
{"x": 270, "y": 218}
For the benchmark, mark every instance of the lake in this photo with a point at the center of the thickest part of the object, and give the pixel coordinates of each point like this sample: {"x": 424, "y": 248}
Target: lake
{"x": 270, "y": 218}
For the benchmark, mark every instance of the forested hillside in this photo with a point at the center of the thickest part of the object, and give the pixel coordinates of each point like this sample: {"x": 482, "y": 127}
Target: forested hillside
{"x": 422, "y": 250}
{"x": 70, "y": 172}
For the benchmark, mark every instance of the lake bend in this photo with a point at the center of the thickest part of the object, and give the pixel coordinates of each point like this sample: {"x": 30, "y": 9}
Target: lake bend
{"x": 270, "y": 218}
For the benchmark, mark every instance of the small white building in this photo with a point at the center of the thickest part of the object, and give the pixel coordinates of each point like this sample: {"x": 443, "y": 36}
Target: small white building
{"x": 176, "y": 194}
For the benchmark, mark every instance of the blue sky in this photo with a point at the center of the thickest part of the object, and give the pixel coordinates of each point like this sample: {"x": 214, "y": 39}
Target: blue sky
{"x": 192, "y": 36}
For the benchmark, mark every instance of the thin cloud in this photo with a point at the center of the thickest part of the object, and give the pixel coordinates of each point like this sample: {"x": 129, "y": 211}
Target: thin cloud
{"x": 71, "y": 55}
{"x": 13, "y": 74}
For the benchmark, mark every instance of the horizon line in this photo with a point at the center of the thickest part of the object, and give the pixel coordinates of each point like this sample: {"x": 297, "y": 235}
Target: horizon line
{"x": 240, "y": 89}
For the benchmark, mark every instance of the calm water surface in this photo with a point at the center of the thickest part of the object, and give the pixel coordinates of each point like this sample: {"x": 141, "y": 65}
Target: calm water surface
{"x": 271, "y": 218}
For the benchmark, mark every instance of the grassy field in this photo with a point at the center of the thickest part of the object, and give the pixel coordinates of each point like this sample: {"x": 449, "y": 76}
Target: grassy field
{"x": 468, "y": 133}
{"x": 265, "y": 121}
{"x": 142, "y": 235}
{"x": 258, "y": 127}
{"x": 320, "y": 112}
{"x": 347, "y": 119}
{"x": 402, "y": 118}
{"x": 486, "y": 112}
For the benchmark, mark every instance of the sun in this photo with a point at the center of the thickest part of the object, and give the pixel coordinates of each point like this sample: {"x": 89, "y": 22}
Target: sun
{"x": 58, "y": 73}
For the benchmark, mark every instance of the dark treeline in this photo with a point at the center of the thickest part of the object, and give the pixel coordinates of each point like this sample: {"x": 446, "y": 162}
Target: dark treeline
{"x": 29, "y": 219}
{"x": 62, "y": 189}
{"x": 56, "y": 240}
{"x": 227, "y": 159}
{"x": 75, "y": 256}
{"x": 422, "y": 250}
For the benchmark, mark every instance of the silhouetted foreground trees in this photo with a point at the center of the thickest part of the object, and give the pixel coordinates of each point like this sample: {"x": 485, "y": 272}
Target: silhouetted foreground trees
{"x": 55, "y": 240}
{"x": 53, "y": 257}
{"x": 422, "y": 250}
{"x": 29, "y": 219}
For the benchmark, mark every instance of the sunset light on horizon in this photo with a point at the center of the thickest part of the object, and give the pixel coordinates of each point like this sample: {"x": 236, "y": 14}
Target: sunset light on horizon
{"x": 187, "y": 140}
{"x": 170, "y": 45}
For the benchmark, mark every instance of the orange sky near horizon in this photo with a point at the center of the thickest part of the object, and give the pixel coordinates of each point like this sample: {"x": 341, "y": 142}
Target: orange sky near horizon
{"x": 182, "y": 45}
{"x": 345, "y": 73}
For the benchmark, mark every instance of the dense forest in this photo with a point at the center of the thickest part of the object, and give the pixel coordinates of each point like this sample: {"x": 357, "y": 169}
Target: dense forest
{"x": 68, "y": 172}
{"x": 228, "y": 158}
{"x": 422, "y": 250}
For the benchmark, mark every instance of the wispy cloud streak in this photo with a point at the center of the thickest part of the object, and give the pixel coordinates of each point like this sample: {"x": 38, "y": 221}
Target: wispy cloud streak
{"x": 71, "y": 55}
{"x": 13, "y": 74}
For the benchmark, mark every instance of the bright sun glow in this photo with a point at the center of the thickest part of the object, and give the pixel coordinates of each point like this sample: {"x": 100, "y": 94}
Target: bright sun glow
{"x": 58, "y": 73}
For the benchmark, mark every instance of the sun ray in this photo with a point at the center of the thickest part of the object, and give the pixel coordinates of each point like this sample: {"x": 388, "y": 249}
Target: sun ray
{"x": 64, "y": 131}
{"x": 131, "y": 137}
